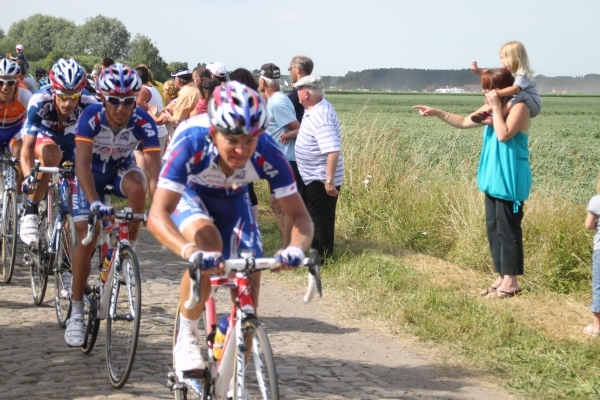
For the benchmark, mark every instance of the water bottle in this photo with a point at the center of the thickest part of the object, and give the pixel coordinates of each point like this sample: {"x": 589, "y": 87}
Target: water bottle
{"x": 106, "y": 265}
{"x": 220, "y": 337}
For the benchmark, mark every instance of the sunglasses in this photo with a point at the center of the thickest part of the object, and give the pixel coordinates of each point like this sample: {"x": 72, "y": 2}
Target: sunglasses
{"x": 64, "y": 96}
{"x": 11, "y": 82}
{"x": 115, "y": 101}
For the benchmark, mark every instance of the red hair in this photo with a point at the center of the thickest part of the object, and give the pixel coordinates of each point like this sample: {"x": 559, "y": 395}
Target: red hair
{"x": 496, "y": 78}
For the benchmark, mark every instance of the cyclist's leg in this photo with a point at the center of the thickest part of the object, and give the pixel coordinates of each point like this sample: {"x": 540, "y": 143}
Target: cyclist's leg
{"x": 130, "y": 182}
{"x": 196, "y": 226}
{"x": 49, "y": 155}
{"x": 74, "y": 335}
{"x": 14, "y": 147}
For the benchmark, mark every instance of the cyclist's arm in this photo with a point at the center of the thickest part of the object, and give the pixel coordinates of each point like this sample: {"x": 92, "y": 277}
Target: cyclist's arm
{"x": 160, "y": 223}
{"x": 152, "y": 162}
{"x": 83, "y": 161}
{"x": 302, "y": 225}
{"x": 28, "y": 153}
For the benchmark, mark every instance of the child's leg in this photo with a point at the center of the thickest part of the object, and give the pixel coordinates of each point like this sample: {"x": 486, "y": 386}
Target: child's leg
{"x": 595, "y": 306}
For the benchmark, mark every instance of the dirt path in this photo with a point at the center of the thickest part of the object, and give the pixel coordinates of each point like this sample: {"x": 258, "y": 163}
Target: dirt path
{"x": 317, "y": 355}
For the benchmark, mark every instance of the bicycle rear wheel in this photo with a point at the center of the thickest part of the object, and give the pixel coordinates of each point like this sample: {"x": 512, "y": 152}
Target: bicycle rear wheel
{"x": 91, "y": 303}
{"x": 122, "y": 328}
{"x": 63, "y": 272}
{"x": 41, "y": 260}
{"x": 9, "y": 235}
{"x": 260, "y": 376}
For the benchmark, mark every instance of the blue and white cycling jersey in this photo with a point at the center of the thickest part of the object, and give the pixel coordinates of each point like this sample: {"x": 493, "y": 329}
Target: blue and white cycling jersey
{"x": 43, "y": 121}
{"x": 192, "y": 161}
{"x": 112, "y": 149}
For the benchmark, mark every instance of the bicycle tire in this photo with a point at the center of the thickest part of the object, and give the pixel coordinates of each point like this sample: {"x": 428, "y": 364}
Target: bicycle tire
{"x": 91, "y": 304}
{"x": 260, "y": 376}
{"x": 184, "y": 393}
{"x": 9, "y": 235}
{"x": 120, "y": 353}
{"x": 41, "y": 259}
{"x": 63, "y": 263}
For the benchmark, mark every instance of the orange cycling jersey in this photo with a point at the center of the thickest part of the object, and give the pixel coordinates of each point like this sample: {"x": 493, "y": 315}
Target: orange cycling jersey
{"x": 12, "y": 115}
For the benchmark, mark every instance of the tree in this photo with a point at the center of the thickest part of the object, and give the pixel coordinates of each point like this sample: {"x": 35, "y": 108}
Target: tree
{"x": 142, "y": 51}
{"x": 102, "y": 36}
{"x": 40, "y": 34}
{"x": 2, "y": 34}
{"x": 175, "y": 65}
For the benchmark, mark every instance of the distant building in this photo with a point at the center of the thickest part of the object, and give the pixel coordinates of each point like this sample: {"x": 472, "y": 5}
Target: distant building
{"x": 450, "y": 90}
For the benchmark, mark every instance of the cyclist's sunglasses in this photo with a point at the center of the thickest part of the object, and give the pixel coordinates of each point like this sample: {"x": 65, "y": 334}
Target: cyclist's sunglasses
{"x": 115, "y": 101}
{"x": 10, "y": 82}
{"x": 64, "y": 96}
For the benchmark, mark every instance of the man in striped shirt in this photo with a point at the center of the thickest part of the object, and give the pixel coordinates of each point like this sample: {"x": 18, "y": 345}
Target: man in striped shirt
{"x": 319, "y": 158}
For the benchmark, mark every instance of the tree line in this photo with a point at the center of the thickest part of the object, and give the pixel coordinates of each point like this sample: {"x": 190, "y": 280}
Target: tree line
{"x": 46, "y": 38}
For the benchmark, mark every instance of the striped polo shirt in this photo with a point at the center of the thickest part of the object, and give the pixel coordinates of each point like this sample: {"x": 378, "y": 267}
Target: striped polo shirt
{"x": 319, "y": 135}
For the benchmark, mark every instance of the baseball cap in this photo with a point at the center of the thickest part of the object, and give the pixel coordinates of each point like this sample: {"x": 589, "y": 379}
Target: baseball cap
{"x": 19, "y": 47}
{"x": 181, "y": 73}
{"x": 270, "y": 71}
{"x": 217, "y": 68}
{"x": 310, "y": 81}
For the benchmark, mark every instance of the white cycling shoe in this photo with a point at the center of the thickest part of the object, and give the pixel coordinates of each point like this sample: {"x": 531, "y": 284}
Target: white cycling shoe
{"x": 29, "y": 228}
{"x": 75, "y": 335}
{"x": 187, "y": 355}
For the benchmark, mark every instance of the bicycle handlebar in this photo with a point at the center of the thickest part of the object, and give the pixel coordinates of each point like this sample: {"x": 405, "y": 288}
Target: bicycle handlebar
{"x": 124, "y": 215}
{"x": 312, "y": 262}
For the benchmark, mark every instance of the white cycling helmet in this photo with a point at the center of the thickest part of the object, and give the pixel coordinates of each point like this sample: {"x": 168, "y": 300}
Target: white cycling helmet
{"x": 8, "y": 67}
{"x": 235, "y": 109}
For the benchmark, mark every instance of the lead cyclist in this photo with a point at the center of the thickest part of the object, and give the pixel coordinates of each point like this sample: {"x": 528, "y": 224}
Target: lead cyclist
{"x": 202, "y": 207}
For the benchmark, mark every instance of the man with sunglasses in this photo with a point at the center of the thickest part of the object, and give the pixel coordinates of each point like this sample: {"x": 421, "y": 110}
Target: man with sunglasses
{"x": 49, "y": 134}
{"x": 107, "y": 133}
{"x": 13, "y": 107}
{"x": 39, "y": 74}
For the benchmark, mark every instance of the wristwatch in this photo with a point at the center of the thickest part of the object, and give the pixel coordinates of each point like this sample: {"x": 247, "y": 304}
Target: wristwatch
{"x": 328, "y": 181}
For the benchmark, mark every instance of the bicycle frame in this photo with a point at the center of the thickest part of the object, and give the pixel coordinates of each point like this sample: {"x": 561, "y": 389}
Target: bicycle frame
{"x": 65, "y": 186}
{"x": 9, "y": 180}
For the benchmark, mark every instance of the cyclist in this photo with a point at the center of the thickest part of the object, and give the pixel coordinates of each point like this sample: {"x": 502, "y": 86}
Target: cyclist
{"x": 13, "y": 108}
{"x": 49, "y": 134}
{"x": 202, "y": 207}
{"x": 107, "y": 133}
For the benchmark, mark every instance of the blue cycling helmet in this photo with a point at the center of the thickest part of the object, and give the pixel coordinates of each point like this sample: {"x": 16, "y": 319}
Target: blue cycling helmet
{"x": 67, "y": 75}
{"x": 119, "y": 79}
{"x": 235, "y": 109}
{"x": 44, "y": 81}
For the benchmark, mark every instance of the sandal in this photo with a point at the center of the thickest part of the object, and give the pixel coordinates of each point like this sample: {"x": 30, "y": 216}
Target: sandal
{"x": 491, "y": 289}
{"x": 502, "y": 294}
{"x": 588, "y": 330}
{"x": 482, "y": 117}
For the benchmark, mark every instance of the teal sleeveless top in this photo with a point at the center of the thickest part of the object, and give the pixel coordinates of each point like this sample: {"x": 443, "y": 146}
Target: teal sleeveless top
{"x": 504, "y": 171}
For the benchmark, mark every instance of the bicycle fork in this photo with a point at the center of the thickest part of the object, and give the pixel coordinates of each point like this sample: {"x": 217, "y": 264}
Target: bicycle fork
{"x": 231, "y": 356}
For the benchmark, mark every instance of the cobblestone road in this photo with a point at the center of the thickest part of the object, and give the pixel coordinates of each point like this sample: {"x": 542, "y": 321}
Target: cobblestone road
{"x": 316, "y": 356}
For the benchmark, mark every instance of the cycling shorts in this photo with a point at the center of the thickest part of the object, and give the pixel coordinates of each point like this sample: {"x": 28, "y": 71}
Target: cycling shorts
{"x": 232, "y": 215}
{"x": 81, "y": 206}
{"x": 66, "y": 146}
{"x": 10, "y": 136}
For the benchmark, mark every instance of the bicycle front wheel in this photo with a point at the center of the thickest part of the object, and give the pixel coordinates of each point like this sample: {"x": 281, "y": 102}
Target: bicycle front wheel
{"x": 260, "y": 376}
{"x": 63, "y": 270}
{"x": 9, "y": 235}
{"x": 123, "y": 323}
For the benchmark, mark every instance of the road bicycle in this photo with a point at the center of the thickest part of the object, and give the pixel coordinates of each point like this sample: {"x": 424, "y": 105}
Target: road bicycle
{"x": 10, "y": 220}
{"x": 118, "y": 299}
{"x": 53, "y": 252}
{"x": 247, "y": 367}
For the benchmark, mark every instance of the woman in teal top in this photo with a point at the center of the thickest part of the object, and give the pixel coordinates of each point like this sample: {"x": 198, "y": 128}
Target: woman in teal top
{"x": 504, "y": 175}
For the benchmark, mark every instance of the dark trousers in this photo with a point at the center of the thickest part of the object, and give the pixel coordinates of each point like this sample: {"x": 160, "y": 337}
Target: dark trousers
{"x": 504, "y": 235}
{"x": 299, "y": 182}
{"x": 321, "y": 208}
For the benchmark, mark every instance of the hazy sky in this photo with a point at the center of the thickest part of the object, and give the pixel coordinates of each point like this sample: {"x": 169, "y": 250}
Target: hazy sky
{"x": 562, "y": 37}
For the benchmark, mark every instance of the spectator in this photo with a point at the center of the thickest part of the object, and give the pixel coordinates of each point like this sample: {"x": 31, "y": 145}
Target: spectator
{"x": 25, "y": 78}
{"x": 186, "y": 101}
{"x": 150, "y": 95}
{"x": 218, "y": 71}
{"x": 39, "y": 74}
{"x": 20, "y": 56}
{"x": 171, "y": 91}
{"x": 107, "y": 62}
{"x": 200, "y": 75}
{"x": 283, "y": 127}
{"x": 158, "y": 85}
{"x": 318, "y": 151}
{"x": 244, "y": 76}
{"x": 300, "y": 66}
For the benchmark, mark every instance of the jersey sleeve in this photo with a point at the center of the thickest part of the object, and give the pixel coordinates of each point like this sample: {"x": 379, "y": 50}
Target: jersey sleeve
{"x": 149, "y": 132}
{"x": 273, "y": 166}
{"x": 183, "y": 154}
{"x": 34, "y": 120}
{"x": 88, "y": 125}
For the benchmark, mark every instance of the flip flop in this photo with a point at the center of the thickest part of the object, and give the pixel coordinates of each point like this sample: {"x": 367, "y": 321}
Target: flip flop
{"x": 504, "y": 294}
{"x": 491, "y": 289}
{"x": 588, "y": 331}
{"x": 482, "y": 117}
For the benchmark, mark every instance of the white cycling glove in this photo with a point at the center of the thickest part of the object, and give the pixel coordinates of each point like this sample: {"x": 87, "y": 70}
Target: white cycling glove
{"x": 291, "y": 256}
{"x": 104, "y": 211}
